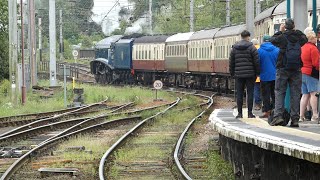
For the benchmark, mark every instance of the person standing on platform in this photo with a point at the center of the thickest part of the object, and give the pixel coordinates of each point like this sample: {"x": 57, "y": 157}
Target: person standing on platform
{"x": 288, "y": 70}
{"x": 268, "y": 54}
{"x": 318, "y": 37}
{"x": 257, "y": 92}
{"x": 244, "y": 66}
{"x": 310, "y": 76}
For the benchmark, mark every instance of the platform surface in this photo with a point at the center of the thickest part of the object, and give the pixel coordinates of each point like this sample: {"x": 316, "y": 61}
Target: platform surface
{"x": 302, "y": 142}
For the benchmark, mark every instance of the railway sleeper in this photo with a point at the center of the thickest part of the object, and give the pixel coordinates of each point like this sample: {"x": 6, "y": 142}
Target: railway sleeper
{"x": 45, "y": 172}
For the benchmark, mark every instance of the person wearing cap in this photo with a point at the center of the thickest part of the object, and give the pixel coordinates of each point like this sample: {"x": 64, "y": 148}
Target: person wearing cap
{"x": 257, "y": 92}
{"x": 310, "y": 59}
{"x": 285, "y": 76}
{"x": 268, "y": 54}
{"x": 244, "y": 66}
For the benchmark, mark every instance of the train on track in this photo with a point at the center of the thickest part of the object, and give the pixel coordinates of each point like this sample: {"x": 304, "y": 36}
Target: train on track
{"x": 193, "y": 59}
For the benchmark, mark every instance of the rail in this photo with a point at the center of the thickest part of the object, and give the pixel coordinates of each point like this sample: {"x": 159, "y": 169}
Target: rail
{"x": 45, "y": 120}
{"x": 23, "y": 159}
{"x": 125, "y": 136}
{"x": 179, "y": 144}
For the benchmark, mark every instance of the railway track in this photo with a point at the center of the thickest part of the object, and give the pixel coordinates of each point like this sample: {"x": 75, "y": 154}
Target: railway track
{"x": 77, "y": 129}
{"x": 54, "y": 118}
{"x": 178, "y": 152}
{"x": 28, "y": 118}
{"x": 153, "y": 160}
{"x": 46, "y": 126}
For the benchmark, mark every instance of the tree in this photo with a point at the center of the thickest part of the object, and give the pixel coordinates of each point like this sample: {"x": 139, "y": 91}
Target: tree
{"x": 4, "y": 38}
{"x": 76, "y": 18}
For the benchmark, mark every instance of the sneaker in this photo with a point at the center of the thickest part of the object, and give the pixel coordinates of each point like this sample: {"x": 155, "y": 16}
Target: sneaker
{"x": 302, "y": 119}
{"x": 250, "y": 115}
{"x": 294, "y": 123}
{"x": 239, "y": 116}
{"x": 315, "y": 119}
{"x": 277, "y": 121}
{"x": 257, "y": 107}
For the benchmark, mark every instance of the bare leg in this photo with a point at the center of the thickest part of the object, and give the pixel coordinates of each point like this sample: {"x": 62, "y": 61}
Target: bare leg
{"x": 314, "y": 105}
{"x": 303, "y": 104}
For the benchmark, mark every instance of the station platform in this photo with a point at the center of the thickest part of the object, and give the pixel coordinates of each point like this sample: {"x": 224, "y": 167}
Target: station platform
{"x": 254, "y": 143}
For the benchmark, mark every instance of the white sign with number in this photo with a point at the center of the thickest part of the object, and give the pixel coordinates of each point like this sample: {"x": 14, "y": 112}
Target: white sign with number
{"x": 158, "y": 84}
{"x": 75, "y": 53}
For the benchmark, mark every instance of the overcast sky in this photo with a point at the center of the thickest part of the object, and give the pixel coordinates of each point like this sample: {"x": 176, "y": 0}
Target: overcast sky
{"x": 102, "y": 7}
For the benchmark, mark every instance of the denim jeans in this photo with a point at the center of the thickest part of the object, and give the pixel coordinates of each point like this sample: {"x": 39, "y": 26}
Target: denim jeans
{"x": 284, "y": 77}
{"x": 241, "y": 83}
{"x": 267, "y": 91}
{"x": 257, "y": 93}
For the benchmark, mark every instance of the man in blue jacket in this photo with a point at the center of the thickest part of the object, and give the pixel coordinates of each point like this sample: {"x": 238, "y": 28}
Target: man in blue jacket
{"x": 268, "y": 55}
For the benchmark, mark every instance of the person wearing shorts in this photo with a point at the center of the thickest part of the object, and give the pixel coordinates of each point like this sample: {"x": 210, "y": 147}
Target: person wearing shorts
{"x": 309, "y": 88}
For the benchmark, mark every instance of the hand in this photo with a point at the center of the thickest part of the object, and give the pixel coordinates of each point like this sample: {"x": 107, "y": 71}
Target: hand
{"x": 282, "y": 28}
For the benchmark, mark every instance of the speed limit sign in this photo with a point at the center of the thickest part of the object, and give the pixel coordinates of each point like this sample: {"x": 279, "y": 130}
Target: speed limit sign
{"x": 158, "y": 84}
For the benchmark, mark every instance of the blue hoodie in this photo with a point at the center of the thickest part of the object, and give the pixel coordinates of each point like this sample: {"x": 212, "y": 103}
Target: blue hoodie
{"x": 268, "y": 55}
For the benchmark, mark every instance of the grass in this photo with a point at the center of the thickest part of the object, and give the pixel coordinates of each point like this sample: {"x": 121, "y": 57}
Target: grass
{"x": 218, "y": 168}
{"x": 92, "y": 94}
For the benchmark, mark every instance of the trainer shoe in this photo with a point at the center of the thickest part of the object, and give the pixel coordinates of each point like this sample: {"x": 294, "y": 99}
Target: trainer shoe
{"x": 239, "y": 116}
{"x": 257, "y": 107}
{"x": 294, "y": 123}
{"x": 250, "y": 115}
{"x": 277, "y": 121}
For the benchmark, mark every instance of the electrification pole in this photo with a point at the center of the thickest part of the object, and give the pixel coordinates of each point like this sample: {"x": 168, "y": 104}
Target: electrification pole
{"x": 61, "y": 37}
{"x": 258, "y": 7}
{"x": 23, "y": 88}
{"x": 191, "y": 15}
{"x": 150, "y": 16}
{"x": 13, "y": 48}
{"x": 52, "y": 34}
{"x": 32, "y": 45}
{"x": 314, "y": 15}
{"x": 250, "y": 16}
{"x": 228, "y": 12}
{"x": 40, "y": 38}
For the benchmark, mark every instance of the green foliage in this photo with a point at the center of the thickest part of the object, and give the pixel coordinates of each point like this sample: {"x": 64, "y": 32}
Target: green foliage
{"x": 218, "y": 168}
{"x": 76, "y": 18}
{"x": 4, "y": 38}
{"x": 67, "y": 50}
{"x": 172, "y": 16}
{"x": 5, "y": 87}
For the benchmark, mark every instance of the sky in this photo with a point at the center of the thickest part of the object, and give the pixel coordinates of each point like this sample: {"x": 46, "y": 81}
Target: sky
{"x": 100, "y": 10}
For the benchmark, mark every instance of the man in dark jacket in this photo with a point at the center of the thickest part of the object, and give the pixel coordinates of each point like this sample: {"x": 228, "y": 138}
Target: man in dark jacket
{"x": 287, "y": 34}
{"x": 268, "y": 55}
{"x": 244, "y": 66}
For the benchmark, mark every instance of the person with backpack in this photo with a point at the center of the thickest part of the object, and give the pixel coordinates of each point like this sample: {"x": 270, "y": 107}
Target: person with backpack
{"x": 288, "y": 70}
{"x": 244, "y": 66}
{"x": 268, "y": 55}
{"x": 310, "y": 76}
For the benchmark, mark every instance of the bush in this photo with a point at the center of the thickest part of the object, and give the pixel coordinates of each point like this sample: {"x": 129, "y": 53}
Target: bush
{"x": 5, "y": 87}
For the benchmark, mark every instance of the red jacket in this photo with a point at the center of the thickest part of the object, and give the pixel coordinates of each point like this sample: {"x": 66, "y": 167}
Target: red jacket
{"x": 309, "y": 57}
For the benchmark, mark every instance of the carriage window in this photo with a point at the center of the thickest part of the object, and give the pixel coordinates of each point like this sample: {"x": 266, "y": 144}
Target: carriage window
{"x": 149, "y": 53}
{"x": 183, "y": 50}
{"x": 139, "y": 52}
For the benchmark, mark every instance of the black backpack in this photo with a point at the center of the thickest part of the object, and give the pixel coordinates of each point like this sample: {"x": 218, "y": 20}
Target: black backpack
{"x": 292, "y": 56}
